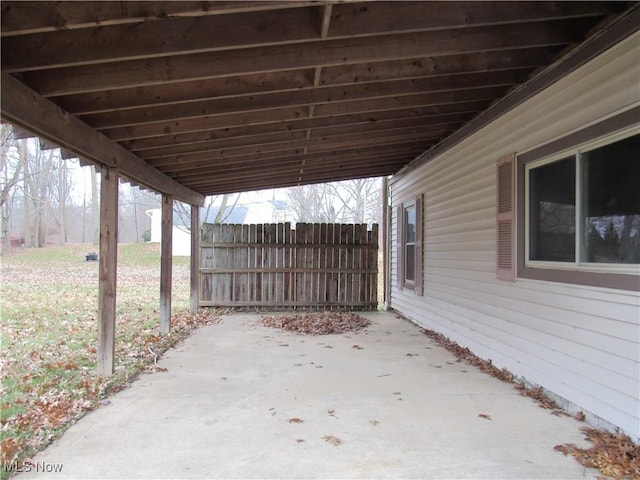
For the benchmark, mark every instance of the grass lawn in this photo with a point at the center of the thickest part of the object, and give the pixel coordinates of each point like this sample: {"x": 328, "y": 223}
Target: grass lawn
{"x": 49, "y": 307}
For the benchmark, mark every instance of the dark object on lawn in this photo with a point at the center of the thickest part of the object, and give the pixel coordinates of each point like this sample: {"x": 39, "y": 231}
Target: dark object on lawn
{"x": 91, "y": 257}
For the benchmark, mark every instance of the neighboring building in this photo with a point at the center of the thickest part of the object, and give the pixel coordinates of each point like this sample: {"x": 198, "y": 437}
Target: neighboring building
{"x": 265, "y": 212}
{"x": 543, "y": 280}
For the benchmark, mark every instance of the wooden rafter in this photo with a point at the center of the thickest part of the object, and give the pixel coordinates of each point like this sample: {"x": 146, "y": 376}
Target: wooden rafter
{"x": 195, "y": 98}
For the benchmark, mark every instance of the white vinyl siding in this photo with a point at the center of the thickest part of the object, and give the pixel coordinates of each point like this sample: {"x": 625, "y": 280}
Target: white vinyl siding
{"x": 581, "y": 343}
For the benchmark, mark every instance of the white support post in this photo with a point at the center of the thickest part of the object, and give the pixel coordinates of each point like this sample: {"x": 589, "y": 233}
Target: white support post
{"x": 107, "y": 270}
{"x": 166, "y": 257}
{"x": 195, "y": 258}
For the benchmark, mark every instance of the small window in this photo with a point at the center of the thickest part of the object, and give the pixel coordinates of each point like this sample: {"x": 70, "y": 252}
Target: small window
{"x": 410, "y": 245}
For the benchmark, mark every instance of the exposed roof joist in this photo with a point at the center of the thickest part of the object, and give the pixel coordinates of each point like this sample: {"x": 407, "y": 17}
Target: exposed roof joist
{"x": 214, "y": 97}
{"x": 27, "y": 109}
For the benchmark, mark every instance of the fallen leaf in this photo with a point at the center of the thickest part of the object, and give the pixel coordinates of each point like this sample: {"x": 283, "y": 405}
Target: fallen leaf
{"x": 295, "y": 420}
{"x": 374, "y": 422}
{"x": 485, "y": 416}
{"x": 358, "y": 347}
{"x": 335, "y": 441}
{"x": 299, "y": 440}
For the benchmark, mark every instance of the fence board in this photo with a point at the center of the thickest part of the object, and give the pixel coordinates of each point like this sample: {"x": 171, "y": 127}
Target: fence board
{"x": 314, "y": 266}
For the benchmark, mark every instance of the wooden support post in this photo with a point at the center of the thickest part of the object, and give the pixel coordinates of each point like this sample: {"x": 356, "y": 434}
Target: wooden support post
{"x": 386, "y": 243}
{"x": 195, "y": 258}
{"x": 166, "y": 257}
{"x": 107, "y": 270}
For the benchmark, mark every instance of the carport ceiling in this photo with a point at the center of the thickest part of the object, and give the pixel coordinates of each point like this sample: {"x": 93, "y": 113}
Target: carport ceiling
{"x": 234, "y": 96}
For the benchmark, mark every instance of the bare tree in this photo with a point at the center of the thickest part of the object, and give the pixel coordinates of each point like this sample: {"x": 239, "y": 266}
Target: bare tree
{"x": 10, "y": 170}
{"x": 313, "y": 204}
{"x": 38, "y": 168}
{"x": 358, "y": 200}
{"x": 60, "y": 196}
{"x": 353, "y": 201}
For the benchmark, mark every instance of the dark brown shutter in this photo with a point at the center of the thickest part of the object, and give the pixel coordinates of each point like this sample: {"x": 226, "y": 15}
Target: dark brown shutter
{"x": 505, "y": 208}
{"x": 400, "y": 251}
{"x": 418, "y": 246}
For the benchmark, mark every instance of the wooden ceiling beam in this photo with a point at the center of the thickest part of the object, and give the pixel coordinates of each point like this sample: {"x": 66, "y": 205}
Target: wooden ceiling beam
{"x": 438, "y": 99}
{"x": 269, "y": 120}
{"x": 441, "y": 65}
{"x": 329, "y": 143}
{"x": 170, "y": 93}
{"x": 372, "y": 17}
{"x": 253, "y": 171}
{"x": 432, "y": 90}
{"x": 250, "y": 174}
{"x": 95, "y": 102}
{"x": 284, "y": 150}
{"x": 214, "y": 188}
{"x": 294, "y": 139}
{"x": 249, "y": 29}
{"x": 21, "y": 18}
{"x": 248, "y": 137}
{"x": 194, "y": 166}
{"x": 25, "y": 108}
{"x": 179, "y": 36}
{"x": 248, "y": 170}
{"x": 153, "y": 71}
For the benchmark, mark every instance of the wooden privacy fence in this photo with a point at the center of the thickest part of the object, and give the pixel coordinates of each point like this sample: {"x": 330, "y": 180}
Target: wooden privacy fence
{"x": 315, "y": 266}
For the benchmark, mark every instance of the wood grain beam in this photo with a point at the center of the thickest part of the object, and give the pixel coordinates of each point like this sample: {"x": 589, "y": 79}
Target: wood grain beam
{"x": 213, "y": 33}
{"x": 336, "y": 155}
{"x": 246, "y": 137}
{"x": 96, "y": 102}
{"x": 300, "y": 139}
{"x": 251, "y": 176}
{"x": 153, "y": 71}
{"x": 263, "y": 122}
{"x": 441, "y": 65}
{"x": 322, "y": 125}
{"x": 20, "y": 17}
{"x": 248, "y": 169}
{"x": 346, "y": 141}
{"x": 27, "y": 109}
{"x": 291, "y": 180}
{"x": 373, "y": 17}
{"x": 439, "y": 90}
{"x": 437, "y": 99}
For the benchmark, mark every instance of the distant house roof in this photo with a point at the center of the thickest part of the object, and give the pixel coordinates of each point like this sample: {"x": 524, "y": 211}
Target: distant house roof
{"x": 236, "y": 214}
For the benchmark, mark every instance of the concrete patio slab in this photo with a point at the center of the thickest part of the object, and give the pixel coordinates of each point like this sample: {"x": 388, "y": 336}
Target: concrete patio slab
{"x": 401, "y": 406}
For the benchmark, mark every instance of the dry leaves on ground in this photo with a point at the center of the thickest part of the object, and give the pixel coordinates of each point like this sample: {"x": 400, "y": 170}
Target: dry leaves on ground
{"x": 335, "y": 441}
{"x": 615, "y": 455}
{"x": 314, "y": 323}
{"x": 540, "y": 397}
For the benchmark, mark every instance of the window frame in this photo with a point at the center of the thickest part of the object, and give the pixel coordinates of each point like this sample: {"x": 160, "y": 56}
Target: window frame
{"x": 401, "y": 222}
{"x": 610, "y": 130}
